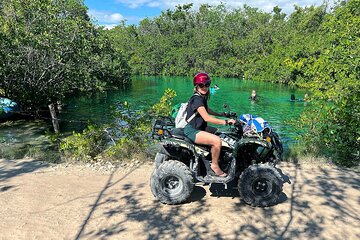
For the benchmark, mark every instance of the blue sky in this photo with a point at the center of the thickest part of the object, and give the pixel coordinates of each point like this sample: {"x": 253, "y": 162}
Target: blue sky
{"x": 110, "y": 13}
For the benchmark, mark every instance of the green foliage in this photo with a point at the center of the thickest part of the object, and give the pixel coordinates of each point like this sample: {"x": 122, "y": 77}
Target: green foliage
{"x": 333, "y": 78}
{"x": 50, "y": 49}
{"x": 84, "y": 146}
{"x": 163, "y": 107}
{"x": 243, "y": 42}
{"x": 129, "y": 135}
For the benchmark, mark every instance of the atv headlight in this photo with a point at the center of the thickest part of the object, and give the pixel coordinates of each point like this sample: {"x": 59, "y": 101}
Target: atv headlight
{"x": 161, "y": 132}
{"x": 268, "y": 139}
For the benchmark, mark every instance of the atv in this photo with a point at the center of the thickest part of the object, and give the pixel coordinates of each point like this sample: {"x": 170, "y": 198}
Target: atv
{"x": 249, "y": 159}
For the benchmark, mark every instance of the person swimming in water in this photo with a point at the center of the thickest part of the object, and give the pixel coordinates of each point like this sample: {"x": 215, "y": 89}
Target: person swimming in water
{"x": 253, "y": 96}
{"x": 214, "y": 88}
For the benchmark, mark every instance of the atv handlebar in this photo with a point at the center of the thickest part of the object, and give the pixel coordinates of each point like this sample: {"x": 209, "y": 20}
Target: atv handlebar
{"x": 237, "y": 126}
{"x": 230, "y": 115}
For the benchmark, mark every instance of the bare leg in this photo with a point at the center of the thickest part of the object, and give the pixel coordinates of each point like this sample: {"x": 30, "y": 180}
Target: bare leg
{"x": 215, "y": 142}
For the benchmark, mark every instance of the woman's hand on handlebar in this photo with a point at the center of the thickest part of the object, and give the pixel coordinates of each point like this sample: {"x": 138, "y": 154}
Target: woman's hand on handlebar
{"x": 231, "y": 121}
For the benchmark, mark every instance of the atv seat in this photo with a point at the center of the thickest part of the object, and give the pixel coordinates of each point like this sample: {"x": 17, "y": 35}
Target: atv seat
{"x": 179, "y": 134}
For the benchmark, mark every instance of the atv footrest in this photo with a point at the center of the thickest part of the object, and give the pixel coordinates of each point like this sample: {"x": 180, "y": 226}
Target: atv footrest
{"x": 215, "y": 179}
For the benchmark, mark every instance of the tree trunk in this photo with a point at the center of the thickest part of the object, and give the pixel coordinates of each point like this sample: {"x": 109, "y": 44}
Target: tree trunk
{"x": 54, "y": 119}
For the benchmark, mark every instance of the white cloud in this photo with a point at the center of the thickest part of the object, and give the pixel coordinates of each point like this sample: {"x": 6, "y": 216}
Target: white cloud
{"x": 106, "y": 18}
{"x": 139, "y": 3}
{"x": 266, "y": 5}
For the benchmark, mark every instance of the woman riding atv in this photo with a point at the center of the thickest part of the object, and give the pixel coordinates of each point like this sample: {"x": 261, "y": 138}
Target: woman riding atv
{"x": 197, "y": 129}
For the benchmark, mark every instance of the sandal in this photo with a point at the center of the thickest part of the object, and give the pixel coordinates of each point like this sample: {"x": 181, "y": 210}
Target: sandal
{"x": 222, "y": 174}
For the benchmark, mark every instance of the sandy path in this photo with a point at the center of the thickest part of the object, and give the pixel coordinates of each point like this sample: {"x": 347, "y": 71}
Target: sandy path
{"x": 42, "y": 202}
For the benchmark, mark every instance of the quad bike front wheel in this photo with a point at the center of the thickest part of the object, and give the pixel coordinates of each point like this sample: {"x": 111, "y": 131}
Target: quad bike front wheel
{"x": 172, "y": 182}
{"x": 260, "y": 185}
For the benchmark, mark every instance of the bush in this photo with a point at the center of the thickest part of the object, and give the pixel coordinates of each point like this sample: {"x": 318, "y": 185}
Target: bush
{"x": 127, "y": 136}
{"x": 333, "y": 124}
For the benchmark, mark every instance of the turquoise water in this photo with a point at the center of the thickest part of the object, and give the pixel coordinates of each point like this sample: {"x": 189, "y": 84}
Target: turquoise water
{"x": 273, "y": 105}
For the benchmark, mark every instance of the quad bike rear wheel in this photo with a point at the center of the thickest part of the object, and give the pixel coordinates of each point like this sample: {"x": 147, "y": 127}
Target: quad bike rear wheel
{"x": 172, "y": 182}
{"x": 260, "y": 185}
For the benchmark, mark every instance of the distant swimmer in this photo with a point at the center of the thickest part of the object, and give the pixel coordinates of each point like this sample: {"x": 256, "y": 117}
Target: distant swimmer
{"x": 294, "y": 99}
{"x": 214, "y": 88}
{"x": 253, "y": 96}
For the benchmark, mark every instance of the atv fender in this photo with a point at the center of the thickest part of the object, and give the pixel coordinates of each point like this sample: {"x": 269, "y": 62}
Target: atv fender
{"x": 159, "y": 159}
{"x": 196, "y": 150}
{"x": 248, "y": 141}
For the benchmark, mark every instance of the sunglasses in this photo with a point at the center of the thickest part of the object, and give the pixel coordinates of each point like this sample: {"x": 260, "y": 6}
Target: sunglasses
{"x": 201, "y": 85}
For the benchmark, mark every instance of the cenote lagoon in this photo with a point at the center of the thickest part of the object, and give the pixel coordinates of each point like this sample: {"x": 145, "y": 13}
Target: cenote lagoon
{"x": 273, "y": 105}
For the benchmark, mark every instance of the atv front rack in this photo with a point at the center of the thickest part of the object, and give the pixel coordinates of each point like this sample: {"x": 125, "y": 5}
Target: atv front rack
{"x": 161, "y": 127}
